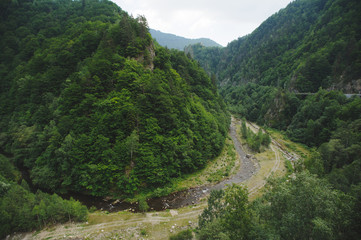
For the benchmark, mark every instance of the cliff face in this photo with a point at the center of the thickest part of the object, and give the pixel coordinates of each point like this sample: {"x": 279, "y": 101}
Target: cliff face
{"x": 353, "y": 86}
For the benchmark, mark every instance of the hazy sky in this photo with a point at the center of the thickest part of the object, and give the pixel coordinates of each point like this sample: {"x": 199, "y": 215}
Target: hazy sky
{"x": 222, "y": 21}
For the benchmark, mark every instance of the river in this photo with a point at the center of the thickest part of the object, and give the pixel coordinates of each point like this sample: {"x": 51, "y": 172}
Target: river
{"x": 187, "y": 197}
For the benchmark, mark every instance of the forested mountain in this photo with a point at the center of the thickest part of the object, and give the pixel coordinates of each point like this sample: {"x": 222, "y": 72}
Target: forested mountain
{"x": 90, "y": 104}
{"x": 173, "y": 41}
{"x": 306, "y": 46}
{"x": 314, "y": 47}
{"x": 287, "y": 50}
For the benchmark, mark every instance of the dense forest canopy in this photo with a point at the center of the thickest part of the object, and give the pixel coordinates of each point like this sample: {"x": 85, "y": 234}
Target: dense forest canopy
{"x": 90, "y": 104}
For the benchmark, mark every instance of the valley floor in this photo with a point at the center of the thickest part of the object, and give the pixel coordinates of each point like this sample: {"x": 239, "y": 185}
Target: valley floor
{"x": 252, "y": 172}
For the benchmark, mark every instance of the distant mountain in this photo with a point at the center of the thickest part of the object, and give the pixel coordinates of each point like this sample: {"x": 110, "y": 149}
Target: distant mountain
{"x": 176, "y": 42}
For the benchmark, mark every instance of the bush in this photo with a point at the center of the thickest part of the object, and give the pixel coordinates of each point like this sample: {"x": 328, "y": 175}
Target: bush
{"x": 22, "y": 210}
{"x": 143, "y": 205}
{"x": 182, "y": 235}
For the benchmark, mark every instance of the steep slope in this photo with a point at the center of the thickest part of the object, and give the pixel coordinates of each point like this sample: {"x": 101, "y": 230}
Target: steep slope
{"x": 177, "y": 42}
{"x": 89, "y": 104}
{"x": 304, "y": 47}
{"x": 289, "y": 48}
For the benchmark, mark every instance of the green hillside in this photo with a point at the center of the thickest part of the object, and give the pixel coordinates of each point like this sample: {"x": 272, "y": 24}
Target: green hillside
{"x": 311, "y": 47}
{"x": 292, "y": 45}
{"x": 306, "y": 46}
{"x": 89, "y": 104}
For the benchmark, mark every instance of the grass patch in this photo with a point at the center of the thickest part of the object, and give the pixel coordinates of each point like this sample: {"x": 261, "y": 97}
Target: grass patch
{"x": 288, "y": 166}
{"x": 143, "y": 232}
{"x": 227, "y": 167}
{"x": 298, "y": 148}
{"x": 155, "y": 225}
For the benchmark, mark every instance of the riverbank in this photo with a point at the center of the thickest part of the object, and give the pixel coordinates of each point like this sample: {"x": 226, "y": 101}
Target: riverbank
{"x": 183, "y": 191}
{"x": 162, "y": 224}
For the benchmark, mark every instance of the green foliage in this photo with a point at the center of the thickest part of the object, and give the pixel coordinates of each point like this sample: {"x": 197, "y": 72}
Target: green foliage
{"x": 306, "y": 47}
{"x": 132, "y": 142}
{"x": 288, "y": 166}
{"x": 302, "y": 48}
{"x": 262, "y": 104}
{"x": 255, "y": 141}
{"x": 305, "y": 207}
{"x": 7, "y": 169}
{"x": 214, "y": 210}
{"x": 356, "y": 216}
{"x": 143, "y": 232}
{"x": 4, "y": 186}
{"x": 326, "y": 120}
{"x": 89, "y": 103}
{"x": 182, "y": 235}
{"x": 314, "y": 164}
{"x": 208, "y": 57}
{"x": 244, "y": 129}
{"x": 237, "y": 217}
{"x": 213, "y": 230}
{"x": 227, "y": 215}
{"x": 143, "y": 205}
{"x": 22, "y": 210}
{"x": 300, "y": 207}
{"x": 318, "y": 116}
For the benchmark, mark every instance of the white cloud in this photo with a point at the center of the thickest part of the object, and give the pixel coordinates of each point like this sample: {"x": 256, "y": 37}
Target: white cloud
{"x": 223, "y": 20}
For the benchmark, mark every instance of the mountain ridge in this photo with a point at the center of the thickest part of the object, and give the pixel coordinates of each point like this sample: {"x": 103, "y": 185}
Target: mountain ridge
{"x": 178, "y": 42}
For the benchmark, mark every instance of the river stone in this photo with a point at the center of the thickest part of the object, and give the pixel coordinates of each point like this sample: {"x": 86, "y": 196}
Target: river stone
{"x": 173, "y": 212}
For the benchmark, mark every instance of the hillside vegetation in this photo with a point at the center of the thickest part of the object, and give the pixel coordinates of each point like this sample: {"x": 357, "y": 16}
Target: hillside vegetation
{"x": 309, "y": 44}
{"x": 90, "y": 104}
{"x": 309, "y": 47}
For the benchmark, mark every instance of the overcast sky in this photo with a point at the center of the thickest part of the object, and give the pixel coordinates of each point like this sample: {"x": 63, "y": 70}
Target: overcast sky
{"x": 222, "y": 21}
